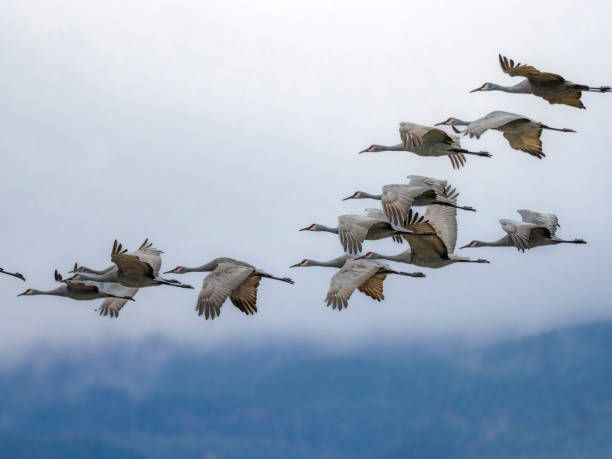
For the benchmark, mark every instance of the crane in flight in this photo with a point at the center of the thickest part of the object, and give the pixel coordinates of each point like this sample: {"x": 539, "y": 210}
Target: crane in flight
{"x": 536, "y": 229}
{"x": 428, "y": 141}
{"x": 522, "y": 133}
{"x": 367, "y": 276}
{"x": 549, "y": 86}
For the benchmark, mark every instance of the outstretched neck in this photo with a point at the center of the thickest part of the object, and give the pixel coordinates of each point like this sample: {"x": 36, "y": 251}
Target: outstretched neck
{"x": 398, "y": 147}
{"x": 503, "y": 242}
{"x": 335, "y": 263}
{"x": 328, "y": 229}
{"x": 458, "y": 122}
{"x": 370, "y": 196}
{"x": 204, "y": 268}
{"x": 517, "y": 88}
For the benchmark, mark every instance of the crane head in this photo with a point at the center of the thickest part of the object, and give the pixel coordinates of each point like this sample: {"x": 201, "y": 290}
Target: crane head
{"x": 28, "y": 292}
{"x": 448, "y": 122}
{"x": 355, "y": 195}
{"x": 177, "y": 270}
{"x": 485, "y": 87}
{"x": 372, "y": 149}
{"x": 304, "y": 262}
{"x": 313, "y": 227}
{"x": 472, "y": 245}
{"x": 368, "y": 256}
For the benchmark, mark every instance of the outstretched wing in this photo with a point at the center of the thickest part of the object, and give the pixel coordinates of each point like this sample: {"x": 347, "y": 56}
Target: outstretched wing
{"x": 218, "y": 285}
{"x": 148, "y": 254}
{"x": 373, "y": 287}
{"x": 527, "y": 141}
{"x": 244, "y": 296}
{"x": 351, "y": 276}
{"x": 130, "y": 265}
{"x": 112, "y": 306}
{"x": 397, "y": 199}
{"x": 493, "y": 120}
{"x": 527, "y": 71}
{"x": 519, "y": 233}
{"x": 425, "y": 246}
{"x": 413, "y": 135}
{"x": 548, "y": 221}
{"x": 353, "y": 229}
{"x": 444, "y": 221}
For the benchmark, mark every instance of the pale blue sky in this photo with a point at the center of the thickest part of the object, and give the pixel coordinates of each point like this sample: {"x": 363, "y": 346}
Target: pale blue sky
{"x": 219, "y": 128}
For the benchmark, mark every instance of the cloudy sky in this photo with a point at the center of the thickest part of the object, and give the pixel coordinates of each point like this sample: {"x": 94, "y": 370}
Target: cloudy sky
{"x": 220, "y": 128}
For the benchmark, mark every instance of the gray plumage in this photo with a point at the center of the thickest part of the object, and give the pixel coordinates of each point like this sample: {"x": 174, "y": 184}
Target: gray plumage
{"x": 522, "y": 133}
{"x": 549, "y": 86}
{"x": 536, "y": 229}
{"x": 428, "y": 141}
{"x": 367, "y": 276}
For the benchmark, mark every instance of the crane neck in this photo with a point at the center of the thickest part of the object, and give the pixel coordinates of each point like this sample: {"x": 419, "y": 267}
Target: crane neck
{"x": 398, "y": 147}
{"x": 458, "y": 122}
{"x": 364, "y": 195}
{"x": 327, "y": 229}
{"x": 517, "y": 88}
{"x": 502, "y": 242}
{"x": 210, "y": 266}
{"x": 335, "y": 263}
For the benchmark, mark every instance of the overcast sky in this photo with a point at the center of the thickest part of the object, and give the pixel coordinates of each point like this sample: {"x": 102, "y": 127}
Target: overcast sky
{"x": 221, "y": 128}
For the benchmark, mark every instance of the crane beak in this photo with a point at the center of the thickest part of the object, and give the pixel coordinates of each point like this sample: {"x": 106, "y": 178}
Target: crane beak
{"x": 168, "y": 272}
{"x": 348, "y": 197}
{"x": 295, "y": 265}
{"x": 364, "y": 151}
{"x": 304, "y": 229}
{"x": 477, "y": 89}
{"x": 443, "y": 123}
{"x": 465, "y": 246}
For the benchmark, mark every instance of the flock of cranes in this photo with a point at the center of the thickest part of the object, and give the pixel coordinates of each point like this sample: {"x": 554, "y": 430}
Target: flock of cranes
{"x": 431, "y": 236}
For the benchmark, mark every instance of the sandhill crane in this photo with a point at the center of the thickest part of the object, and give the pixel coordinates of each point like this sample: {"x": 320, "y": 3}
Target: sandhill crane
{"x": 398, "y": 198}
{"x": 428, "y": 141}
{"x": 229, "y": 278}
{"x": 367, "y": 276}
{"x": 430, "y": 251}
{"x": 521, "y": 132}
{"x": 549, "y": 86}
{"x": 77, "y": 290}
{"x": 354, "y": 229}
{"x": 137, "y": 269}
{"x": 17, "y": 275}
{"x": 535, "y": 230}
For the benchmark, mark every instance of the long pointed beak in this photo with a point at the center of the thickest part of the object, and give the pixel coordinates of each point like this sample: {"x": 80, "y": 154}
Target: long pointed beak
{"x": 348, "y": 197}
{"x": 363, "y": 151}
{"x": 295, "y": 265}
{"x": 305, "y": 229}
{"x": 168, "y": 272}
{"x": 467, "y": 245}
{"x": 21, "y": 294}
{"x": 443, "y": 123}
{"x": 477, "y": 89}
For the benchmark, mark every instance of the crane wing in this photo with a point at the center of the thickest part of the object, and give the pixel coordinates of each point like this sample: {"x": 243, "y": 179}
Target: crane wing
{"x": 527, "y": 141}
{"x": 351, "y": 276}
{"x": 424, "y": 246}
{"x": 112, "y": 306}
{"x": 397, "y": 199}
{"x": 373, "y": 287}
{"x": 131, "y": 264}
{"x": 147, "y": 253}
{"x": 244, "y": 296}
{"x": 218, "y": 285}
{"x": 429, "y": 182}
{"x": 527, "y": 71}
{"x": 493, "y": 120}
{"x": 353, "y": 229}
{"x": 571, "y": 98}
{"x": 413, "y": 135}
{"x": 548, "y": 221}
{"x": 519, "y": 233}
{"x": 444, "y": 220}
